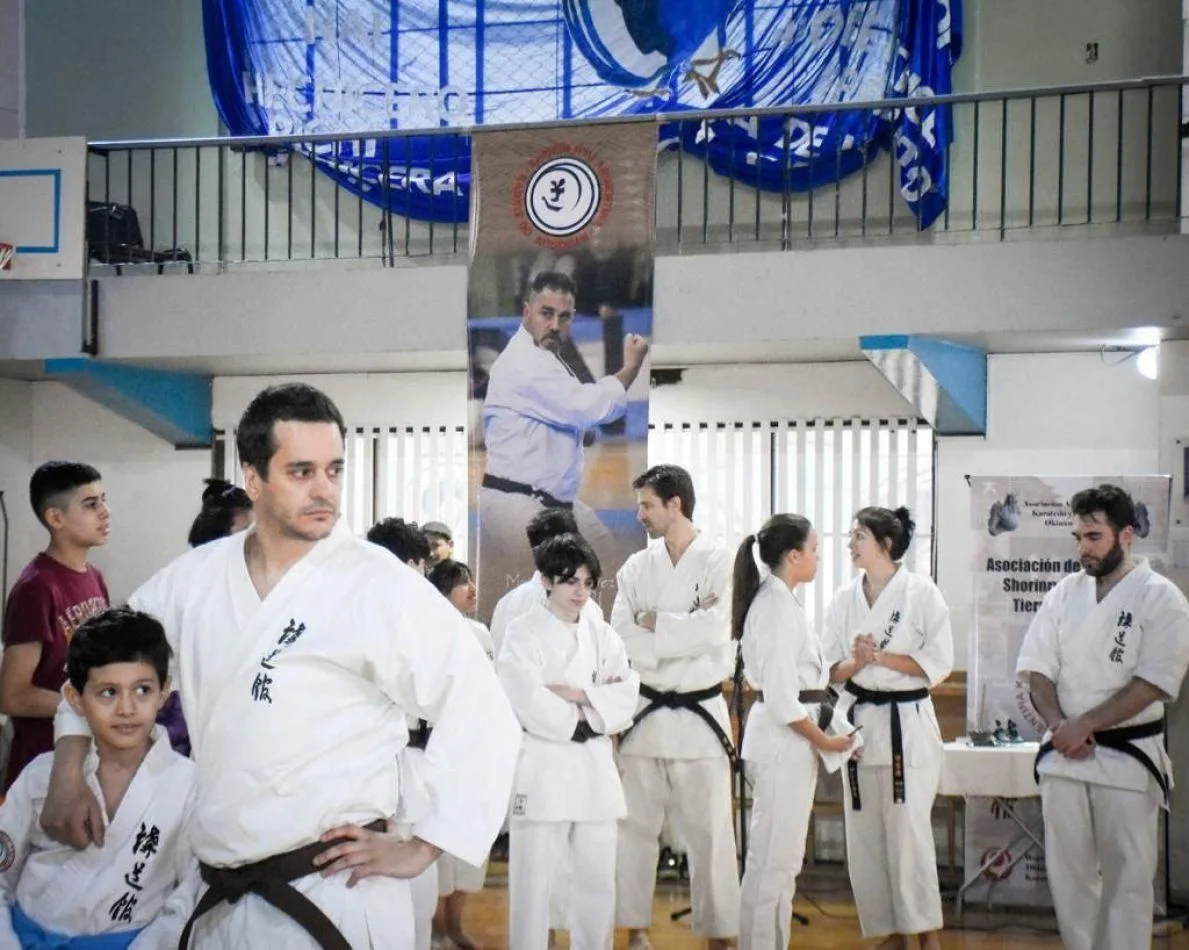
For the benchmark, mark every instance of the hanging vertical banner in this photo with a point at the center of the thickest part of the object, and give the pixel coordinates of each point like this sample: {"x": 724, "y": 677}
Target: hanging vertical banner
{"x": 559, "y": 322}
{"x": 1023, "y": 546}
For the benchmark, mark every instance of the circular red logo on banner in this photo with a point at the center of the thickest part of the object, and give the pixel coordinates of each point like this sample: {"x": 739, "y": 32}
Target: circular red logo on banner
{"x": 1000, "y": 868}
{"x": 561, "y": 193}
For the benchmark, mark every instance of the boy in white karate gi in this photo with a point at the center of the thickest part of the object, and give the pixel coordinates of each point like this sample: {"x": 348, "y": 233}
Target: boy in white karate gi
{"x": 570, "y": 683}
{"x": 137, "y": 890}
{"x": 1107, "y": 649}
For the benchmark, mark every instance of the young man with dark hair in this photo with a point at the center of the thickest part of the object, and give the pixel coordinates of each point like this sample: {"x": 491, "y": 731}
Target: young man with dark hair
{"x": 1106, "y": 652}
{"x": 139, "y": 889}
{"x": 568, "y": 678}
{"x": 534, "y": 419}
{"x": 404, "y": 539}
{"x": 54, "y": 595}
{"x": 300, "y": 650}
{"x": 545, "y": 524}
{"x": 673, "y": 611}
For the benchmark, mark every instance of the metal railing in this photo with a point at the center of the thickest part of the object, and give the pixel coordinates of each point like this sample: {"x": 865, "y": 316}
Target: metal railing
{"x": 1094, "y": 157}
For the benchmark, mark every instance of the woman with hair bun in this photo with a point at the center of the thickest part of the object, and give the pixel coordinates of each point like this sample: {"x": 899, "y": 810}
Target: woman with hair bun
{"x": 788, "y": 726}
{"x": 887, "y": 637}
{"x": 226, "y": 510}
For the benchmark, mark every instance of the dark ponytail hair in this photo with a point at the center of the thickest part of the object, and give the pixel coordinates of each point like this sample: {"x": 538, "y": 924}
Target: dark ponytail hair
{"x": 779, "y": 535}
{"x": 221, "y": 502}
{"x": 892, "y": 529}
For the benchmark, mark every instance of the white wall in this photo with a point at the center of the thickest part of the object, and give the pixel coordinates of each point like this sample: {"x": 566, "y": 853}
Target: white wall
{"x": 1043, "y": 42}
{"x": 1048, "y": 414}
{"x": 16, "y": 446}
{"x": 721, "y": 308}
{"x": 153, "y": 489}
{"x": 117, "y": 69}
{"x": 777, "y": 391}
{"x": 364, "y": 399}
{"x": 12, "y": 68}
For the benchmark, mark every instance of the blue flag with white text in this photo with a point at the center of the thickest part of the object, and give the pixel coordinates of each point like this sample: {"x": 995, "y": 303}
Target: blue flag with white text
{"x": 350, "y": 67}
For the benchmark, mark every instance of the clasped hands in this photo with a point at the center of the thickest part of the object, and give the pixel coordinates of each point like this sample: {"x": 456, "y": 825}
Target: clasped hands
{"x": 865, "y": 650}
{"x": 1073, "y": 738}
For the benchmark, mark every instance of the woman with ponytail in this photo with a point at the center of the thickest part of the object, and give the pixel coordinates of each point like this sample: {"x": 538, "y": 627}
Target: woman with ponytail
{"x": 788, "y": 726}
{"x": 226, "y": 509}
{"x": 887, "y": 637}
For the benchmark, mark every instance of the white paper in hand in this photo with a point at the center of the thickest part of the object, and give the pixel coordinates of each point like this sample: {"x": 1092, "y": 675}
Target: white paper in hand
{"x": 833, "y": 761}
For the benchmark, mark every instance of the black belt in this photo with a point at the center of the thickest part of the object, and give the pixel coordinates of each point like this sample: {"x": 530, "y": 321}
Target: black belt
{"x": 1121, "y": 740}
{"x": 419, "y": 737}
{"x": 692, "y": 701}
{"x": 825, "y": 699}
{"x": 520, "y": 488}
{"x": 271, "y": 879}
{"x": 584, "y": 732}
{"x": 892, "y": 698}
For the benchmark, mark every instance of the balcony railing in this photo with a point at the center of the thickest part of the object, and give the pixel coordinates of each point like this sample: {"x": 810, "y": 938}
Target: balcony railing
{"x": 1030, "y": 162}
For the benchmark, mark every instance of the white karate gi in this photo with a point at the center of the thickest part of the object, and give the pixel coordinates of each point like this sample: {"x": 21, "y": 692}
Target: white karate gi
{"x": 534, "y": 418}
{"x": 454, "y": 874}
{"x": 567, "y": 795}
{"x": 296, "y": 706}
{"x": 1101, "y": 813}
{"x": 519, "y": 600}
{"x": 516, "y": 603}
{"x": 145, "y": 875}
{"x": 416, "y": 804}
{"x": 782, "y": 657}
{"x": 672, "y": 764}
{"x": 889, "y": 845}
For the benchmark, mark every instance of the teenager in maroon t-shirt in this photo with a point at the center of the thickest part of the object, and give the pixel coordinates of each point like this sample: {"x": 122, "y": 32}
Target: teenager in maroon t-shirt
{"x": 55, "y": 593}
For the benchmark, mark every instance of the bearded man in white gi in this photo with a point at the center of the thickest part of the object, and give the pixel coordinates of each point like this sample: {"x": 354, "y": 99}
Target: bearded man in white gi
{"x": 300, "y": 650}
{"x": 1107, "y": 649}
{"x": 535, "y": 418}
{"x": 673, "y": 612}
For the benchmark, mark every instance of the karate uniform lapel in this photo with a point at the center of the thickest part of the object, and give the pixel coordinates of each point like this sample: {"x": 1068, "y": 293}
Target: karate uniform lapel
{"x": 262, "y": 623}
{"x": 885, "y": 618}
{"x": 109, "y": 868}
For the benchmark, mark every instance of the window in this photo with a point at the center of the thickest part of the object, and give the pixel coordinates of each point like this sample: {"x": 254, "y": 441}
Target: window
{"x": 825, "y": 469}
{"x": 418, "y": 473}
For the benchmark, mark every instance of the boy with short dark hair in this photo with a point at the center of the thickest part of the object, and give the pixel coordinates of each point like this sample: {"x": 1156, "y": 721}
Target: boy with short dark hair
{"x": 567, "y": 676}
{"x": 54, "y": 595}
{"x": 139, "y": 888}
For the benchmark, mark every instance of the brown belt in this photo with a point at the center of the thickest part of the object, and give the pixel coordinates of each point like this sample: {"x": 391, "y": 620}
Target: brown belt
{"x": 824, "y": 697}
{"x": 271, "y": 880}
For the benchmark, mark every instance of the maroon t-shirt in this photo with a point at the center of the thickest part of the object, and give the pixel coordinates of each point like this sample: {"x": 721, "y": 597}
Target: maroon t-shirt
{"x": 47, "y": 604}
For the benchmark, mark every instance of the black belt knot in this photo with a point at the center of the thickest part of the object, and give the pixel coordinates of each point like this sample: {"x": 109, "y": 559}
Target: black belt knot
{"x": 691, "y": 701}
{"x": 892, "y": 698}
{"x": 419, "y": 737}
{"x": 271, "y": 880}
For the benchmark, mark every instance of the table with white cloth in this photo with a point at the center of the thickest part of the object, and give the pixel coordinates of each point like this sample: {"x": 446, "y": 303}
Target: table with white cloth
{"x": 1003, "y": 773}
